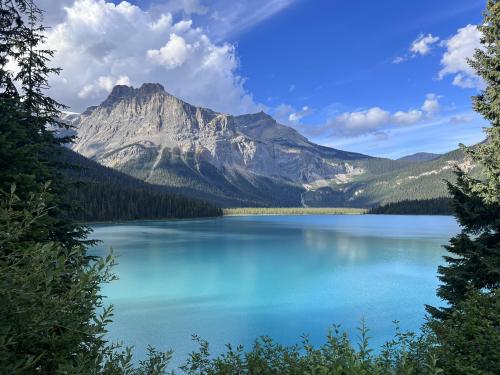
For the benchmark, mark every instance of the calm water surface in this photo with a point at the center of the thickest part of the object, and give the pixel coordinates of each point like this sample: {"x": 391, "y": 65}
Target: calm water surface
{"x": 233, "y": 279}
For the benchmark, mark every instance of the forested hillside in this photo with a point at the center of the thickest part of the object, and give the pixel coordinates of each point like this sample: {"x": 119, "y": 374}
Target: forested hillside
{"x": 104, "y": 194}
{"x": 244, "y": 161}
{"x": 388, "y": 181}
{"x": 420, "y": 156}
{"x": 435, "y": 206}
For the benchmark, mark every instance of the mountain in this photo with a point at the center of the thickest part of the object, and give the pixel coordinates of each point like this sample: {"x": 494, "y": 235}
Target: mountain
{"x": 247, "y": 160}
{"x": 420, "y": 156}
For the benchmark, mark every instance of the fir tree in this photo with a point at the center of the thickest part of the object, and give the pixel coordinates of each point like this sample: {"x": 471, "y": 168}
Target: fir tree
{"x": 475, "y": 260}
{"x": 29, "y": 118}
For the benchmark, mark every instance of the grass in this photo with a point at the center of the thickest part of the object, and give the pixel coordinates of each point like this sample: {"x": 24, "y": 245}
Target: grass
{"x": 292, "y": 211}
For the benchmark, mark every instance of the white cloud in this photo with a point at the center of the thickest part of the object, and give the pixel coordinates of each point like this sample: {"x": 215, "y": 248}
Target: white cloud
{"x": 431, "y": 104}
{"x": 420, "y": 46}
{"x": 104, "y": 84}
{"x": 407, "y": 118}
{"x": 423, "y": 44}
{"x": 459, "y": 47}
{"x": 360, "y": 122}
{"x": 99, "y": 43}
{"x": 295, "y": 117}
{"x": 286, "y": 114}
{"x": 53, "y": 10}
{"x": 173, "y": 54}
{"x": 373, "y": 120}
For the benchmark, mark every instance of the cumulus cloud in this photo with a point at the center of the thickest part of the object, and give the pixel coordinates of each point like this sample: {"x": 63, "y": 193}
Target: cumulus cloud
{"x": 295, "y": 117}
{"x": 431, "y": 104}
{"x": 360, "y": 122}
{"x": 173, "y": 54}
{"x": 53, "y": 10}
{"x": 407, "y": 118}
{"x": 286, "y": 114}
{"x": 375, "y": 119}
{"x": 420, "y": 46}
{"x": 99, "y": 44}
{"x": 423, "y": 44}
{"x": 104, "y": 84}
{"x": 459, "y": 47}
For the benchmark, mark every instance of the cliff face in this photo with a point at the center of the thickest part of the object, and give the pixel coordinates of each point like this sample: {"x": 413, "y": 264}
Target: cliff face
{"x": 248, "y": 160}
{"x": 155, "y": 136}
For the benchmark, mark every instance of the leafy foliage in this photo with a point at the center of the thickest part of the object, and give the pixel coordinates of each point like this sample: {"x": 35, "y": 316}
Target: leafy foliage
{"x": 405, "y": 354}
{"x": 52, "y": 317}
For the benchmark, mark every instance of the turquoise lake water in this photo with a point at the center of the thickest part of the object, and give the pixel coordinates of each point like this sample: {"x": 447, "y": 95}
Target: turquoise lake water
{"x": 232, "y": 279}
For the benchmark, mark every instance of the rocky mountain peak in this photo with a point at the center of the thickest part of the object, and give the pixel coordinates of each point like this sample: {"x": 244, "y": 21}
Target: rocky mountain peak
{"x": 160, "y": 138}
{"x": 151, "y": 88}
{"x": 121, "y": 92}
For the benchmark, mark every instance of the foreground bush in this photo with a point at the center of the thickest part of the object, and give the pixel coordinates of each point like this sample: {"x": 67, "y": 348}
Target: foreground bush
{"x": 405, "y": 354}
{"x": 52, "y": 320}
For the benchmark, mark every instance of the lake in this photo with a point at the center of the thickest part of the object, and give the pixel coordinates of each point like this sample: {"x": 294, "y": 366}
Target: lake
{"x": 232, "y": 279}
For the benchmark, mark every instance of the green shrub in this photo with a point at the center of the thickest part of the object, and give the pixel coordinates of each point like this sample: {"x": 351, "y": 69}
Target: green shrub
{"x": 52, "y": 318}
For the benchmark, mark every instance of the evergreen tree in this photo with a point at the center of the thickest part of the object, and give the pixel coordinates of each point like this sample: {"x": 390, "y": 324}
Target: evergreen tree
{"x": 475, "y": 260}
{"x": 11, "y": 26}
{"x": 29, "y": 118}
{"x": 469, "y": 339}
{"x": 52, "y": 318}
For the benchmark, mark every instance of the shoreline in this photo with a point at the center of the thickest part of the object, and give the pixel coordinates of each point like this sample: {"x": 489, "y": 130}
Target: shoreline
{"x": 121, "y": 221}
{"x": 266, "y": 211}
{"x": 254, "y": 211}
{"x": 250, "y": 211}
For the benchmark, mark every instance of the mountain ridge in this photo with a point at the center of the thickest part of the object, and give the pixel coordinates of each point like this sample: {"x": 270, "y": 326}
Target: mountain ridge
{"x": 420, "y": 156}
{"x": 240, "y": 160}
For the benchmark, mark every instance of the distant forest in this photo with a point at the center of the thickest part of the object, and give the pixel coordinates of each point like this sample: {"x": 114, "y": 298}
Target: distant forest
{"x": 434, "y": 206}
{"x": 98, "y": 193}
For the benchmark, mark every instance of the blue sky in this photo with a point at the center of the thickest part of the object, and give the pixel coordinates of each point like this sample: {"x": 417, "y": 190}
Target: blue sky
{"x": 387, "y": 78}
{"x": 338, "y": 55}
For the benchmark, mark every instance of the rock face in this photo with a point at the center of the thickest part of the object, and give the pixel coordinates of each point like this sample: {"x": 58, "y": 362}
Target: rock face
{"x": 246, "y": 159}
